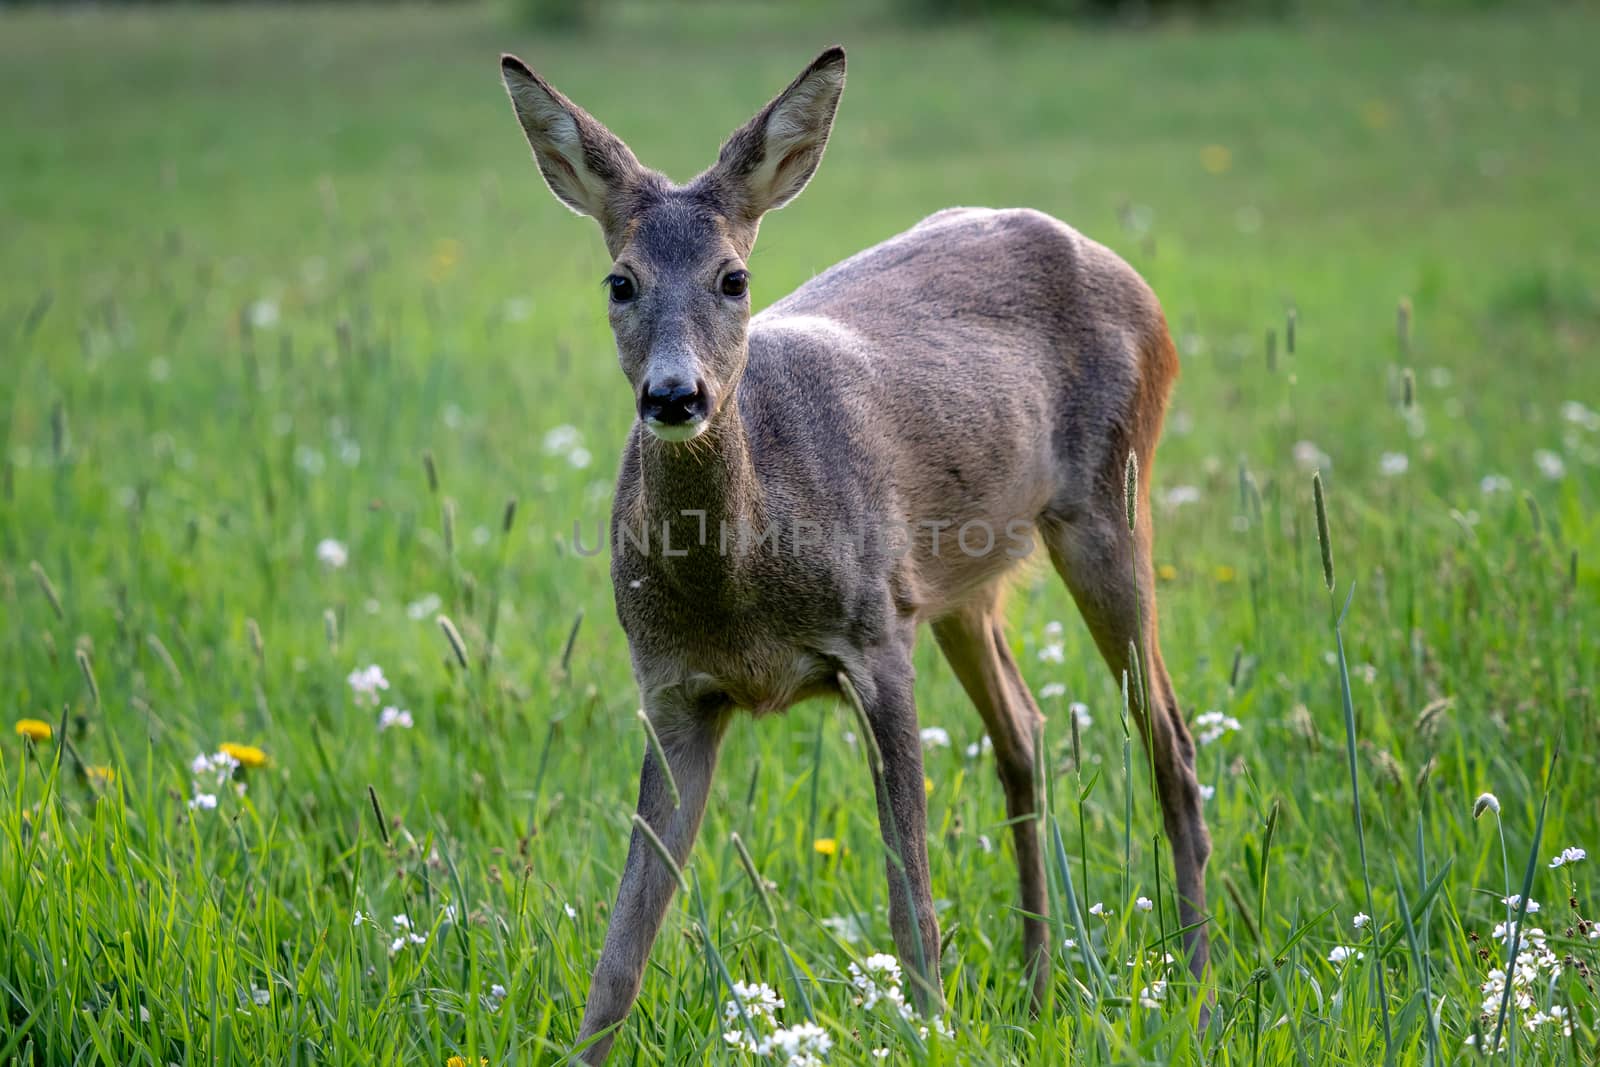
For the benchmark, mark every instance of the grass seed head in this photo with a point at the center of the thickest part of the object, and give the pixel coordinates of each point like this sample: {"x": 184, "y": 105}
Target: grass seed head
{"x": 253, "y": 630}
{"x": 431, "y": 472}
{"x": 453, "y": 636}
{"x": 1323, "y": 540}
{"x": 82, "y": 655}
{"x": 1130, "y": 488}
{"x": 48, "y": 588}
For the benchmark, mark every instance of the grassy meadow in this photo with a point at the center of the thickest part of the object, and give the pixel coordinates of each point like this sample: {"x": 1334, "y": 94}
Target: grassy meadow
{"x": 289, "y": 320}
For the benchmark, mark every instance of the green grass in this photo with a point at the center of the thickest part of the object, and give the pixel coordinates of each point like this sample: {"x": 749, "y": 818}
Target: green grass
{"x": 259, "y": 262}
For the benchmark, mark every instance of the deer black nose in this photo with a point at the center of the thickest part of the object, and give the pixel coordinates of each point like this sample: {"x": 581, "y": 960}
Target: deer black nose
{"x": 673, "y": 402}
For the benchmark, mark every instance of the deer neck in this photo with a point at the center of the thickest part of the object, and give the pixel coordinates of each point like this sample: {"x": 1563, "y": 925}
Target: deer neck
{"x": 696, "y": 496}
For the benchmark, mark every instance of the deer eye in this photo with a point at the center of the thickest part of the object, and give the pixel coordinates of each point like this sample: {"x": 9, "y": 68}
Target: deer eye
{"x": 621, "y": 287}
{"x": 735, "y": 283}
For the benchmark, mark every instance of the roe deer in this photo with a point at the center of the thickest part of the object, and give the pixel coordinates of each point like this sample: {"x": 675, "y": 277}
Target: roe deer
{"x": 985, "y": 369}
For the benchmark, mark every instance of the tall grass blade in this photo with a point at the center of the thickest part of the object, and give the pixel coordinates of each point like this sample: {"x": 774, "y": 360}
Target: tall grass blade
{"x": 1348, "y": 704}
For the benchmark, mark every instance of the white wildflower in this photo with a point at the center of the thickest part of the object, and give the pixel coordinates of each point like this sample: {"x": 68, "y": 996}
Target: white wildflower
{"x": 1550, "y": 464}
{"x": 331, "y": 553}
{"x": 802, "y": 1045}
{"x": 567, "y": 442}
{"x": 1080, "y": 714}
{"x": 1340, "y": 953}
{"x": 1207, "y": 792}
{"x": 1308, "y": 457}
{"x": 1099, "y": 910}
{"x": 1579, "y": 415}
{"x": 494, "y": 998}
{"x": 309, "y": 460}
{"x": 760, "y": 1001}
{"x": 264, "y": 314}
{"x": 844, "y": 927}
{"x": 203, "y": 802}
{"x": 979, "y": 747}
{"x": 563, "y": 438}
{"x": 1180, "y": 495}
{"x": 424, "y": 608}
{"x": 262, "y": 997}
{"x": 1393, "y": 464}
{"x": 1152, "y": 995}
{"x": 1053, "y": 691}
{"x": 1361, "y": 920}
{"x": 1568, "y": 856}
{"x": 1144, "y": 904}
{"x": 935, "y": 737}
{"x": 1213, "y": 725}
{"x": 365, "y": 682}
{"x": 1054, "y": 652}
{"x": 405, "y": 934}
{"x": 392, "y": 717}
{"x": 1514, "y": 901}
{"x": 572, "y": 913}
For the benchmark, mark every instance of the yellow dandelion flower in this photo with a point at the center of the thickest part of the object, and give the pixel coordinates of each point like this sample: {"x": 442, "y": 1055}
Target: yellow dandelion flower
{"x": 1216, "y": 159}
{"x": 100, "y": 775}
{"x": 1167, "y": 572}
{"x": 33, "y": 729}
{"x": 1224, "y": 573}
{"x": 927, "y": 785}
{"x": 461, "y": 1061}
{"x": 247, "y": 755}
{"x": 825, "y": 846}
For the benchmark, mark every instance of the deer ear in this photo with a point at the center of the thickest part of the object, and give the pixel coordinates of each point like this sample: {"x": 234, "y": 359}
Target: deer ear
{"x": 586, "y": 165}
{"x": 766, "y": 162}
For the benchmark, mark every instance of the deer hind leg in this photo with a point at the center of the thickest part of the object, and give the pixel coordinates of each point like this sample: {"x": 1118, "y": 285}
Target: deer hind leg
{"x": 975, "y": 646}
{"x": 1098, "y": 558}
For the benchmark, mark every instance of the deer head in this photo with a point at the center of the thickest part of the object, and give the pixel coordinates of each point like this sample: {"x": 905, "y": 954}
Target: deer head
{"x": 678, "y": 289}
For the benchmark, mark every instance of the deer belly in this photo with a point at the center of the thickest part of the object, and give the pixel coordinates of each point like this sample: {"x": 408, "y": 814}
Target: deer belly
{"x": 775, "y": 679}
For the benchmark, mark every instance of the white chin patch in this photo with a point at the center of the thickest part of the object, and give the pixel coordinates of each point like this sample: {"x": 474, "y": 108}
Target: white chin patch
{"x": 684, "y": 432}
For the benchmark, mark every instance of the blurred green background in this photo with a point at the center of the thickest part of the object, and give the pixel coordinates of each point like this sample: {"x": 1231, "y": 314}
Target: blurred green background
{"x": 258, "y": 260}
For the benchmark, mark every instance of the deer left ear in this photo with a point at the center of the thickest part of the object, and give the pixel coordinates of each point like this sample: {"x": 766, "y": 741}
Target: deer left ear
{"x": 766, "y": 162}
{"x": 587, "y": 166}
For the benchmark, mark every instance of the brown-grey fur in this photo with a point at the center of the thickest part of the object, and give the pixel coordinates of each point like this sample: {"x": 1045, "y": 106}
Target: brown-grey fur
{"x": 985, "y": 365}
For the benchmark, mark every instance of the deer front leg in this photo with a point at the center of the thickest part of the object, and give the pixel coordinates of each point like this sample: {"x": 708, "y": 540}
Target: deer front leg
{"x": 885, "y": 690}
{"x": 689, "y": 738}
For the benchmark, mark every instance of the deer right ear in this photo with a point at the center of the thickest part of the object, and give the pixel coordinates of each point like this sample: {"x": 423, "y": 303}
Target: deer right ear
{"x": 766, "y": 162}
{"x": 586, "y": 165}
